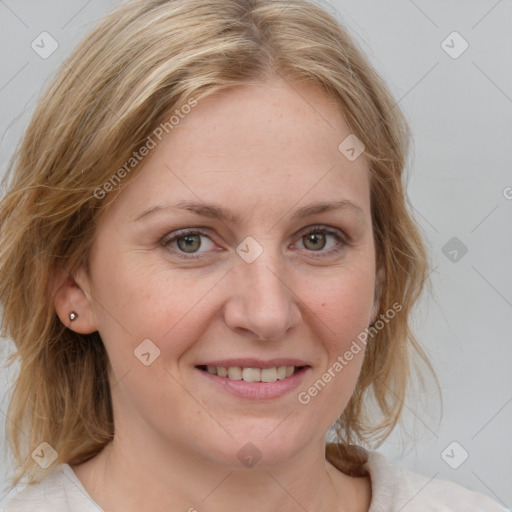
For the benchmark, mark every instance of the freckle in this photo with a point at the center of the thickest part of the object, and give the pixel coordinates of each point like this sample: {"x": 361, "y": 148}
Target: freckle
{"x": 323, "y": 304}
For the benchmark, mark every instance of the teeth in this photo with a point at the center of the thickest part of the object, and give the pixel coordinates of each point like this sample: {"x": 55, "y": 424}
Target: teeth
{"x": 269, "y": 375}
{"x": 235, "y": 373}
{"x": 252, "y": 374}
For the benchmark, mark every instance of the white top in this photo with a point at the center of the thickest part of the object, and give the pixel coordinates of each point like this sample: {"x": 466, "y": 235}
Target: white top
{"x": 393, "y": 489}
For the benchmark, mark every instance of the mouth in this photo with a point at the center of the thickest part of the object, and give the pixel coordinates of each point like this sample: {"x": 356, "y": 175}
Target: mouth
{"x": 251, "y": 378}
{"x": 251, "y": 374}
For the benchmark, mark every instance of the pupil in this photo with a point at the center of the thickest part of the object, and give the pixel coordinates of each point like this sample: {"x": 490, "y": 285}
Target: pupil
{"x": 190, "y": 242}
{"x": 317, "y": 240}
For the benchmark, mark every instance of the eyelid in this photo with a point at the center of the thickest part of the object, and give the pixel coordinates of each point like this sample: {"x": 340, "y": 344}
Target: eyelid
{"x": 322, "y": 227}
{"x": 169, "y": 238}
{"x": 336, "y": 232}
{"x": 343, "y": 240}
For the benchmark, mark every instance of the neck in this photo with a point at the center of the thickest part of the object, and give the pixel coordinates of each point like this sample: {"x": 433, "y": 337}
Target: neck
{"x": 138, "y": 475}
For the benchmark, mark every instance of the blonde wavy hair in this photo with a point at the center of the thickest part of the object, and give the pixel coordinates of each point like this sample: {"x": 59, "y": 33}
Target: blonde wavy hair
{"x": 144, "y": 60}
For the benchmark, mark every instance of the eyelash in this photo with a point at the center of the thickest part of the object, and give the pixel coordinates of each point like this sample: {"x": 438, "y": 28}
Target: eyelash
{"x": 339, "y": 235}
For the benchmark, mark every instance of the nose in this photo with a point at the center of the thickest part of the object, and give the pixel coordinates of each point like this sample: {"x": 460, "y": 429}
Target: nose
{"x": 262, "y": 302}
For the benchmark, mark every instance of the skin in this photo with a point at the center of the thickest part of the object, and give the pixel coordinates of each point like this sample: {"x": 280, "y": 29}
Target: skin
{"x": 263, "y": 151}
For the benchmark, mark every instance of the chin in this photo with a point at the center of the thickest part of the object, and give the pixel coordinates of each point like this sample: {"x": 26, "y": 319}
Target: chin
{"x": 265, "y": 448}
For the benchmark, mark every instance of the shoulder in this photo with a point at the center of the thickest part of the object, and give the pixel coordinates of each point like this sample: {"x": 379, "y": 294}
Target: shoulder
{"x": 404, "y": 490}
{"x": 59, "y": 491}
{"x": 36, "y": 496}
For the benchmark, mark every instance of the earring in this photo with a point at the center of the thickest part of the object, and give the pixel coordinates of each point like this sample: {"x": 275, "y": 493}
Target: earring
{"x": 73, "y": 316}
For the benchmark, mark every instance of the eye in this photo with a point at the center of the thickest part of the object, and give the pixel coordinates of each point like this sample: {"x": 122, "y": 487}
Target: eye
{"x": 188, "y": 242}
{"x": 318, "y": 238}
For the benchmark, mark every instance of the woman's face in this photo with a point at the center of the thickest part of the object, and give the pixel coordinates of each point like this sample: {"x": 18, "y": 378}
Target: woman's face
{"x": 277, "y": 280}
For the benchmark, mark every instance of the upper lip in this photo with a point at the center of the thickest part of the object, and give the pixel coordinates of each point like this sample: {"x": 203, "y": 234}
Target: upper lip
{"x": 249, "y": 362}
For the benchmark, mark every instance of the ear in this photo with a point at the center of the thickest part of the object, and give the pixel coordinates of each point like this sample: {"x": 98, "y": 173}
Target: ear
{"x": 379, "y": 286}
{"x": 70, "y": 296}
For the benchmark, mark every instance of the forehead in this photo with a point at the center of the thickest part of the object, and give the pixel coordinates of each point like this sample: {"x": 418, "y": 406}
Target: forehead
{"x": 272, "y": 144}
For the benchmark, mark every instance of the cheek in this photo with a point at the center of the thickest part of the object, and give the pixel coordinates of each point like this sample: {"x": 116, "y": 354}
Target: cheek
{"x": 344, "y": 304}
{"x": 342, "y": 308}
{"x": 134, "y": 292}
{"x": 151, "y": 301}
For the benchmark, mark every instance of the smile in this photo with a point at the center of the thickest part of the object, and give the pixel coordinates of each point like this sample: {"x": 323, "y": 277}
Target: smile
{"x": 253, "y": 379}
{"x": 248, "y": 374}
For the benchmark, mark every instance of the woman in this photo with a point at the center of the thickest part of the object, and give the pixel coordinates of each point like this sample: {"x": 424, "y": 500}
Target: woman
{"x": 207, "y": 261}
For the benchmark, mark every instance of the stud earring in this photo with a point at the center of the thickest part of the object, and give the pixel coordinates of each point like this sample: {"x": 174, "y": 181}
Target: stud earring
{"x": 73, "y": 316}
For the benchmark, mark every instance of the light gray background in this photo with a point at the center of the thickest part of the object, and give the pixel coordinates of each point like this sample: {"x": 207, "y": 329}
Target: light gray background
{"x": 460, "y": 110}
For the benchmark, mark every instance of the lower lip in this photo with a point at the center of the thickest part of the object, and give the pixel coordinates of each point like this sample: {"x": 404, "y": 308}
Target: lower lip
{"x": 257, "y": 390}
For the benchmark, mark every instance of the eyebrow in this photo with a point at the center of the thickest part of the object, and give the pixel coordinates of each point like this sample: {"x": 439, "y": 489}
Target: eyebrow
{"x": 219, "y": 212}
